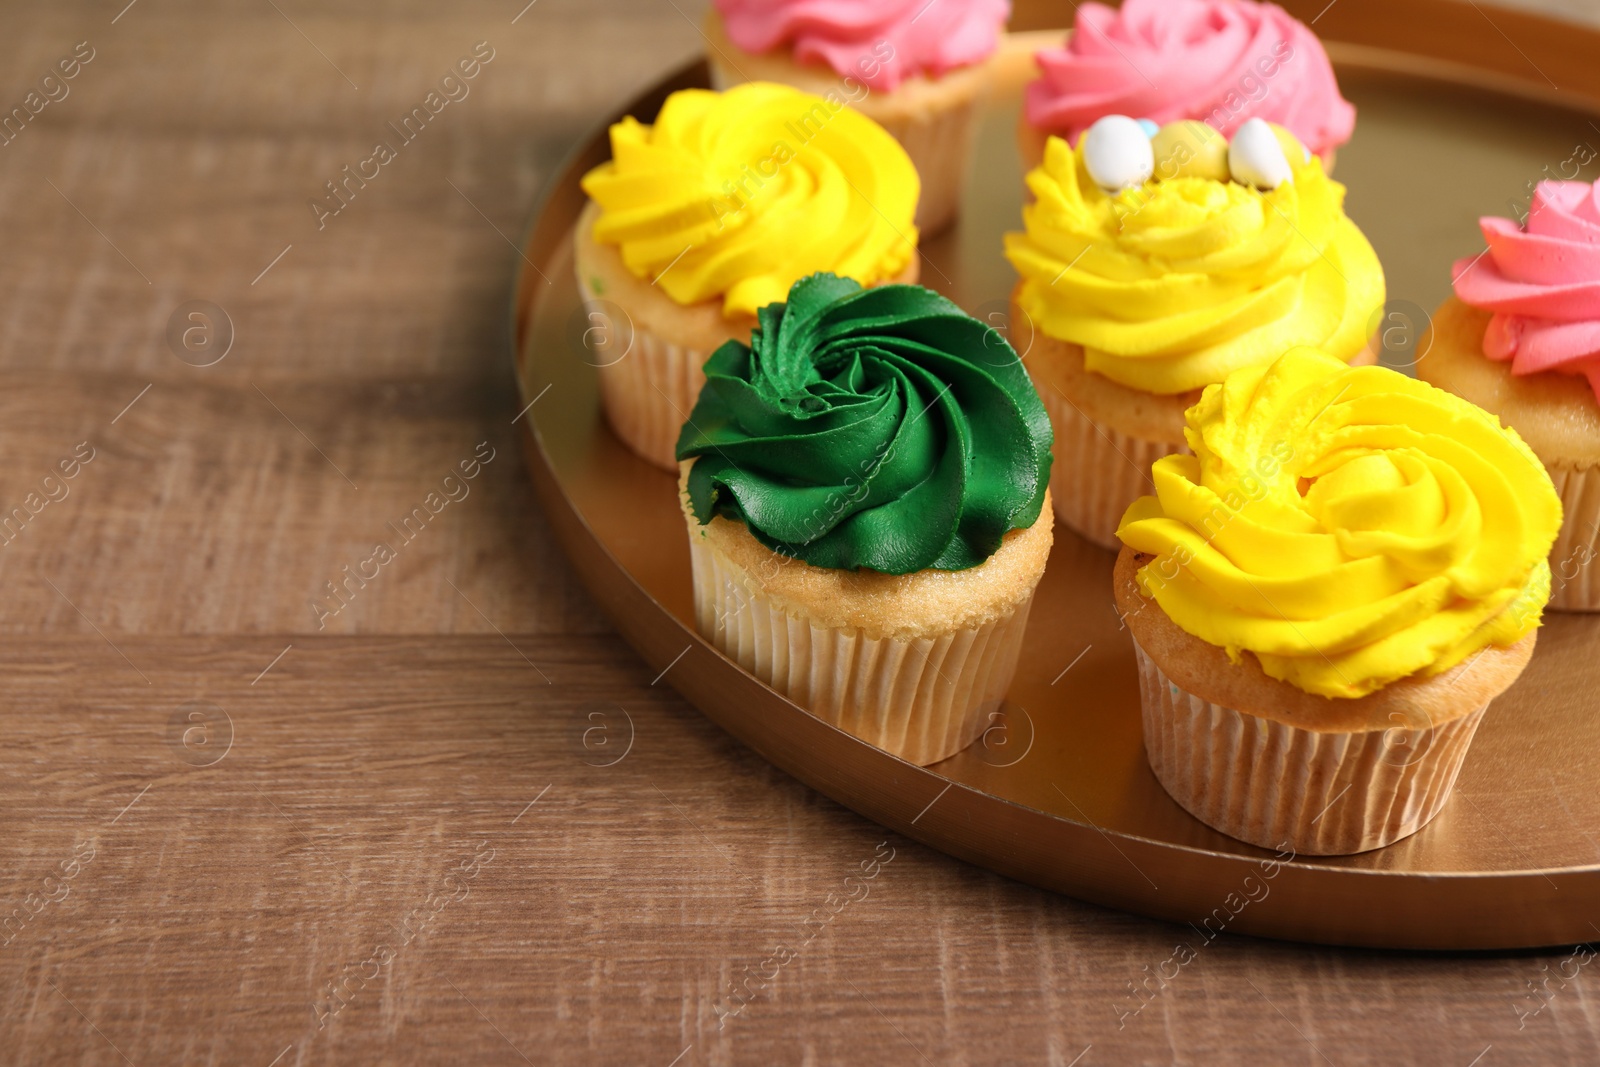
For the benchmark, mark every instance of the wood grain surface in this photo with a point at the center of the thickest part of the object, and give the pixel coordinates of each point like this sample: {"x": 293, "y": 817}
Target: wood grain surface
{"x": 456, "y": 821}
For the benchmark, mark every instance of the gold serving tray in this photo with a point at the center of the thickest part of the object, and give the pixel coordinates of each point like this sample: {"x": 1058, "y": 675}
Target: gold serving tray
{"x": 1457, "y": 114}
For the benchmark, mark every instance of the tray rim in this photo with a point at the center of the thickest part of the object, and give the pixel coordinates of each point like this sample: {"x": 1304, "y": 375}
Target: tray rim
{"x": 976, "y": 826}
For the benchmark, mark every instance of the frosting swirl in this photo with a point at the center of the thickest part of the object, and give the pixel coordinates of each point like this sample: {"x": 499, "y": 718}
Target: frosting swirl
{"x": 1350, "y": 526}
{"x": 1171, "y": 286}
{"x": 1220, "y": 61}
{"x": 740, "y": 194}
{"x": 881, "y": 42}
{"x": 882, "y": 428}
{"x": 1542, "y": 282}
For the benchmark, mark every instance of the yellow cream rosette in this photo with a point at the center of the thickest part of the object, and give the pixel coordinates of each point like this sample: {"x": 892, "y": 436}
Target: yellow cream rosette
{"x": 1349, "y": 526}
{"x": 740, "y": 194}
{"x": 1171, "y": 285}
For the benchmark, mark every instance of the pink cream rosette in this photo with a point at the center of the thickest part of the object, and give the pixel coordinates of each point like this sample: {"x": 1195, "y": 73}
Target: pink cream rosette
{"x": 1219, "y": 61}
{"x": 881, "y": 42}
{"x": 1542, "y": 281}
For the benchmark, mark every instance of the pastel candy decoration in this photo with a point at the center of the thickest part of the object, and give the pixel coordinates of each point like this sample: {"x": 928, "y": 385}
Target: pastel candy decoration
{"x": 1256, "y": 158}
{"x": 1296, "y": 152}
{"x": 1117, "y": 153}
{"x": 1190, "y": 149}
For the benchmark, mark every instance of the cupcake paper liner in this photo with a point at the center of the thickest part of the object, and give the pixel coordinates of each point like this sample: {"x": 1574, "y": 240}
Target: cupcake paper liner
{"x": 922, "y": 700}
{"x": 939, "y": 144}
{"x": 647, "y": 390}
{"x": 1097, "y": 472}
{"x": 1575, "y": 558}
{"x": 1321, "y": 794}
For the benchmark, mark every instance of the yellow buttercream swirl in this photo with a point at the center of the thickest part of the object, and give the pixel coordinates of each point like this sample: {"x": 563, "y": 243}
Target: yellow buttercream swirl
{"x": 1350, "y": 526}
{"x": 1171, "y": 285}
{"x": 741, "y": 194}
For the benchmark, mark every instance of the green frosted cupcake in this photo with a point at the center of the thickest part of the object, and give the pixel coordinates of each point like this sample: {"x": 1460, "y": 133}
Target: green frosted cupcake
{"x": 866, "y": 489}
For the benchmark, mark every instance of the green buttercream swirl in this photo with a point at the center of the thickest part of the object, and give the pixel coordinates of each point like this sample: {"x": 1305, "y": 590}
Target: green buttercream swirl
{"x": 882, "y": 428}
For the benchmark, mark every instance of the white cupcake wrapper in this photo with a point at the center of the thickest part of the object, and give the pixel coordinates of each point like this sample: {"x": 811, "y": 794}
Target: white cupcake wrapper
{"x": 939, "y": 145}
{"x": 1097, "y": 472}
{"x": 648, "y": 389}
{"x": 1575, "y": 559}
{"x": 922, "y": 700}
{"x": 1321, "y": 794}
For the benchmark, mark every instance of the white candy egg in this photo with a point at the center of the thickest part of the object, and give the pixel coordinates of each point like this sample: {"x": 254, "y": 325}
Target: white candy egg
{"x": 1256, "y": 158}
{"x": 1117, "y": 153}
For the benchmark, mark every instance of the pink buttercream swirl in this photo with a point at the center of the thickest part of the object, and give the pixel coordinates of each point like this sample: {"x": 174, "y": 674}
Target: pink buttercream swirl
{"x": 1542, "y": 282}
{"x": 1219, "y": 61}
{"x": 880, "y": 42}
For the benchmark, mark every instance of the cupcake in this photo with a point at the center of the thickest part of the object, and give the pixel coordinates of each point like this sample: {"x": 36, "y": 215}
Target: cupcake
{"x": 1221, "y": 62}
{"x": 866, "y": 490}
{"x": 715, "y": 211}
{"x": 1521, "y": 338}
{"x": 917, "y": 69}
{"x": 1325, "y": 597}
{"x": 1149, "y": 273}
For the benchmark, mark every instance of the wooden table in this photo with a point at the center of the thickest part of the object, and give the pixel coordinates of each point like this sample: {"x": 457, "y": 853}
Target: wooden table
{"x": 456, "y": 821}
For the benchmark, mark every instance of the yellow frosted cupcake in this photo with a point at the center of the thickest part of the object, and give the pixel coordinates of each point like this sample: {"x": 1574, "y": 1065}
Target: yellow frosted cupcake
{"x": 865, "y": 486}
{"x": 1325, "y": 597}
{"x": 711, "y": 213}
{"x": 918, "y": 69}
{"x": 1521, "y": 338}
{"x": 1153, "y": 267}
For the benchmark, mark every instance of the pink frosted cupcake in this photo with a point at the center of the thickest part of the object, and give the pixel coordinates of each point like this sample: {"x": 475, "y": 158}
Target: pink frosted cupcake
{"x": 915, "y": 68}
{"x": 1218, "y": 61}
{"x": 1521, "y": 338}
